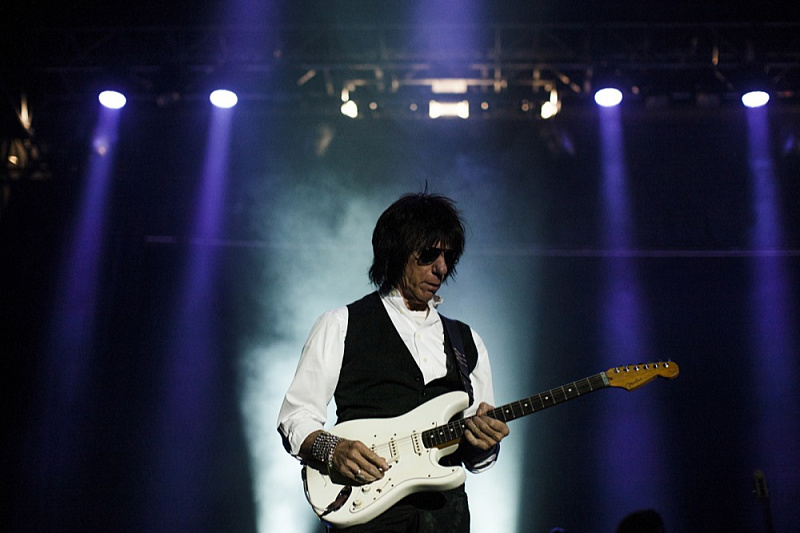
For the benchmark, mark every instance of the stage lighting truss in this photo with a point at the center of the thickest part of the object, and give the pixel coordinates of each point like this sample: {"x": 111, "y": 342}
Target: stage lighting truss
{"x": 453, "y": 97}
{"x": 533, "y": 71}
{"x": 20, "y": 152}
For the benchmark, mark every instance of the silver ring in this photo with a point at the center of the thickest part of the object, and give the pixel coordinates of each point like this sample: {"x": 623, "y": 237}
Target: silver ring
{"x": 358, "y": 474}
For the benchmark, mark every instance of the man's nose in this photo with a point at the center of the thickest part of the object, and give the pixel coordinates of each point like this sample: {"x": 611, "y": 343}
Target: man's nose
{"x": 440, "y": 266}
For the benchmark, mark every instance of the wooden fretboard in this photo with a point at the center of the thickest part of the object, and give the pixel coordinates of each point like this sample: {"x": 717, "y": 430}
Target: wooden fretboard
{"x": 451, "y": 432}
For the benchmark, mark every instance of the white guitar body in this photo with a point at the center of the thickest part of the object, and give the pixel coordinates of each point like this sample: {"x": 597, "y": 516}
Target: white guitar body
{"x": 414, "y": 467}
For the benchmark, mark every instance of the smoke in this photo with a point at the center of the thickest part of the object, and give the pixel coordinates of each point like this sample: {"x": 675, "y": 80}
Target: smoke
{"x": 317, "y": 256}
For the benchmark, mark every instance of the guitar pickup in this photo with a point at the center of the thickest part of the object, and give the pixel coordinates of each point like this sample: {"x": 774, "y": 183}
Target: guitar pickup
{"x": 416, "y": 443}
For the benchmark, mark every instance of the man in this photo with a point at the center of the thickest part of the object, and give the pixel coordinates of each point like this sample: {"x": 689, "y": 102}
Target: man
{"x": 390, "y": 352}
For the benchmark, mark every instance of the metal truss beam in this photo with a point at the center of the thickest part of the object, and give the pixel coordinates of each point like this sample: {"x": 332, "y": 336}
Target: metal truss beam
{"x": 315, "y": 62}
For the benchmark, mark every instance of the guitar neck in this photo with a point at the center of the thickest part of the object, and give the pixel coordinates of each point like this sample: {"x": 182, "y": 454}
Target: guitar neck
{"x": 451, "y": 433}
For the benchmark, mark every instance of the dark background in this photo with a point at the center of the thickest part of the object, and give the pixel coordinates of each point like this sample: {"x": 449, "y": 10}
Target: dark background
{"x": 535, "y": 246}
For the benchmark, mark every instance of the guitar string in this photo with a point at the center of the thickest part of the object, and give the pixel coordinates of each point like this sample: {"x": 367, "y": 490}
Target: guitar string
{"x": 453, "y": 431}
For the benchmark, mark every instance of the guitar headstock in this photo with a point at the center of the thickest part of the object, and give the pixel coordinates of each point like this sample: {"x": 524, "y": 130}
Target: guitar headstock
{"x": 634, "y": 376}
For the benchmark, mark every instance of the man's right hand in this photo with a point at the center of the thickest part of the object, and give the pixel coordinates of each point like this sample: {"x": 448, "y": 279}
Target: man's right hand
{"x": 353, "y": 459}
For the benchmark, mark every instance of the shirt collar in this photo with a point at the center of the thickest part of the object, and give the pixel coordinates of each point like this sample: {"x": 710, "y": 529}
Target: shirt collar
{"x": 396, "y": 299}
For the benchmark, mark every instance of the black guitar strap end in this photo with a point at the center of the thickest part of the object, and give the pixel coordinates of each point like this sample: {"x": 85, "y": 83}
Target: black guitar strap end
{"x": 457, "y": 345}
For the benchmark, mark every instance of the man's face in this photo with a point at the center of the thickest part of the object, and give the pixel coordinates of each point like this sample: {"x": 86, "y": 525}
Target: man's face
{"x": 421, "y": 280}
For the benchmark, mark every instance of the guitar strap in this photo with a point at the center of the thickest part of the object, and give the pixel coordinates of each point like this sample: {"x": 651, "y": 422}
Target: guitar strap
{"x": 457, "y": 345}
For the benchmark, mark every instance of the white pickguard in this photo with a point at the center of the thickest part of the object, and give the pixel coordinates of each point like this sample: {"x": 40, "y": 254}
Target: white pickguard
{"x": 414, "y": 468}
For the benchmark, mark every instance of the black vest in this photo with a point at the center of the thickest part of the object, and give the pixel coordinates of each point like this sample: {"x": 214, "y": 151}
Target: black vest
{"x": 379, "y": 377}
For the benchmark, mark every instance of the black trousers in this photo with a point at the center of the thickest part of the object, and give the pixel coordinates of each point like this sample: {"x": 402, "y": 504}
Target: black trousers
{"x": 423, "y": 512}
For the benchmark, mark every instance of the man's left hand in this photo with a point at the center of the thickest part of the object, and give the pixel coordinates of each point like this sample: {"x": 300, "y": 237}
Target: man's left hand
{"x": 484, "y": 432}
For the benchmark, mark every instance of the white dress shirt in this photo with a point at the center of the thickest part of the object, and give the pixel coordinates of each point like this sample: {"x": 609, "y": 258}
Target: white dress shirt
{"x": 305, "y": 406}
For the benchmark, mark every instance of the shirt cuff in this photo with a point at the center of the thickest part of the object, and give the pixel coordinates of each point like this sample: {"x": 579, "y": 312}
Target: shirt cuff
{"x": 483, "y": 460}
{"x": 294, "y": 439}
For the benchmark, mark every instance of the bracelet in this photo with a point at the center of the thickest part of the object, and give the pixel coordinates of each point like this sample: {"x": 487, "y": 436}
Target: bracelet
{"x": 323, "y": 447}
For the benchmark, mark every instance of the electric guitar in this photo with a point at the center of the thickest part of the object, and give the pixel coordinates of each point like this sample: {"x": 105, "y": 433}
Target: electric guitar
{"x": 414, "y": 443}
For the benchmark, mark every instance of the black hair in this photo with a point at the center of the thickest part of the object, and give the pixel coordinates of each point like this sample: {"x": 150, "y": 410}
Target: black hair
{"x": 411, "y": 224}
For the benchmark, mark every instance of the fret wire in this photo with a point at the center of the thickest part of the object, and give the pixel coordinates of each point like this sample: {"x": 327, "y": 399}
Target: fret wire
{"x": 455, "y": 430}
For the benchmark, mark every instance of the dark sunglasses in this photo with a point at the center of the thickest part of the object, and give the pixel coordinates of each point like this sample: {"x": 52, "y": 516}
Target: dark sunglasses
{"x": 429, "y": 255}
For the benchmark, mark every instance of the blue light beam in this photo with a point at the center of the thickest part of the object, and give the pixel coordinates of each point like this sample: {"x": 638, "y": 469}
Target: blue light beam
{"x": 775, "y": 354}
{"x": 179, "y": 495}
{"x": 629, "y": 465}
{"x": 69, "y": 349}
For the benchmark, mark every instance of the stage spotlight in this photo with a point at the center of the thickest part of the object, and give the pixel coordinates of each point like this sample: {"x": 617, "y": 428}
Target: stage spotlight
{"x": 349, "y": 109}
{"x": 753, "y": 99}
{"x": 223, "y": 98}
{"x": 448, "y": 109}
{"x": 449, "y": 86}
{"x": 608, "y": 97}
{"x": 551, "y": 107}
{"x": 112, "y": 99}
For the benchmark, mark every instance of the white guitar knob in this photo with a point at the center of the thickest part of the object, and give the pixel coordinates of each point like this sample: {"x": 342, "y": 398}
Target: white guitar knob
{"x": 357, "y": 504}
